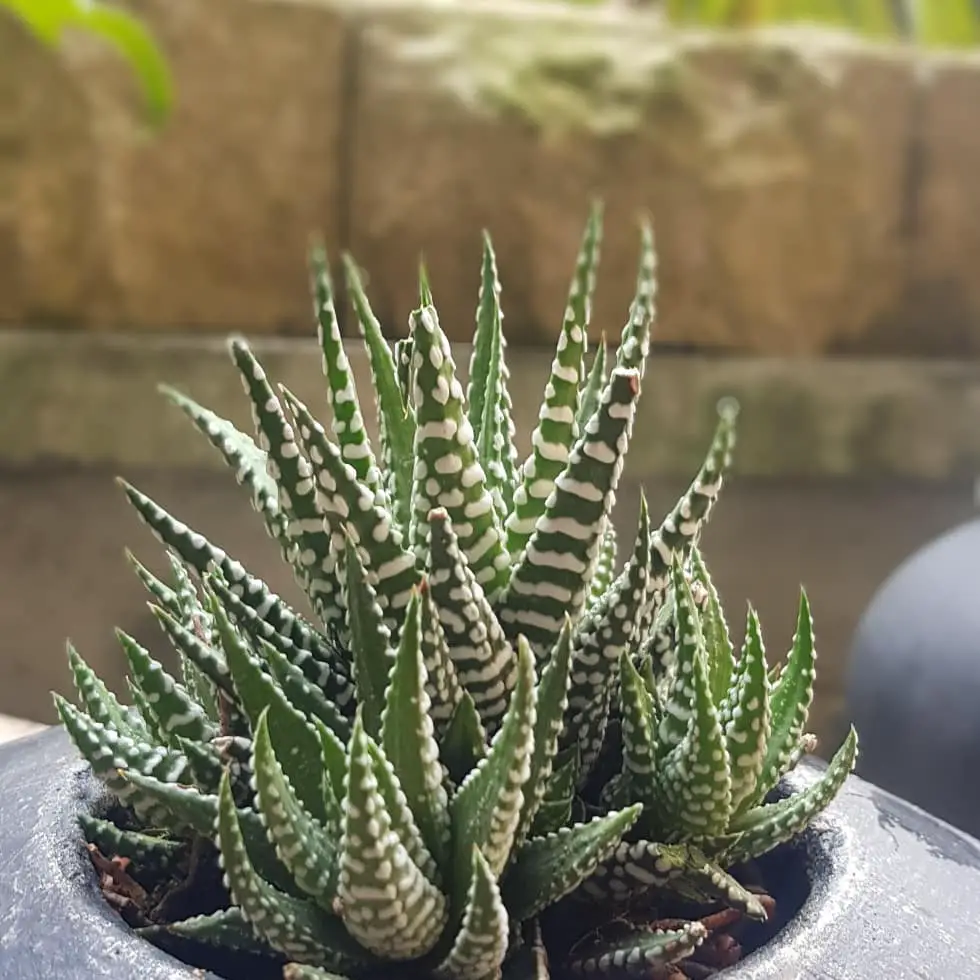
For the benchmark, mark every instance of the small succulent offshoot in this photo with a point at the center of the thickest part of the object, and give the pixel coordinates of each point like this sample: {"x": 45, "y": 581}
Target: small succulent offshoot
{"x": 480, "y": 725}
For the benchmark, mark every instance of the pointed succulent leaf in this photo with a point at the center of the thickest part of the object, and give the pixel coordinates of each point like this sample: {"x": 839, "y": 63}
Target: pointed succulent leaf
{"x": 321, "y": 662}
{"x": 352, "y": 508}
{"x": 403, "y": 823}
{"x": 100, "y": 703}
{"x": 303, "y": 843}
{"x": 204, "y": 762}
{"x": 425, "y": 287}
{"x": 548, "y": 868}
{"x": 442, "y": 682}
{"x": 659, "y": 644}
{"x": 552, "y": 700}
{"x": 407, "y": 736}
{"x": 634, "y": 345}
{"x": 447, "y": 471}
{"x": 714, "y": 628}
{"x": 348, "y": 424}
{"x": 306, "y": 697}
{"x": 184, "y": 809}
{"x": 159, "y": 853}
{"x": 682, "y": 525}
{"x": 484, "y": 660}
{"x": 605, "y": 567}
{"x": 490, "y": 408}
{"x": 258, "y": 691}
{"x": 708, "y": 882}
{"x": 397, "y": 422}
{"x": 386, "y": 902}
{"x": 694, "y": 777}
{"x": 155, "y": 733}
{"x": 557, "y": 429}
{"x": 555, "y": 809}
{"x": 635, "y": 867}
{"x": 333, "y": 759}
{"x": 403, "y": 371}
{"x": 161, "y": 593}
{"x": 242, "y": 454}
{"x": 369, "y": 639}
{"x": 486, "y": 810}
{"x": 637, "y": 954}
{"x": 176, "y": 711}
{"x": 209, "y": 661}
{"x": 552, "y": 576}
{"x": 765, "y": 827}
{"x": 644, "y": 667}
{"x": 227, "y": 928}
{"x": 201, "y": 555}
{"x": 488, "y": 325}
{"x": 465, "y": 741}
{"x": 190, "y": 612}
{"x": 313, "y": 561}
{"x": 565, "y": 767}
{"x": 611, "y": 627}
{"x": 587, "y": 730}
{"x": 293, "y": 926}
{"x": 638, "y": 728}
{"x": 578, "y": 309}
{"x": 790, "y": 702}
{"x": 595, "y": 381}
{"x": 268, "y": 608}
{"x": 201, "y": 690}
{"x": 107, "y": 752}
{"x": 746, "y": 716}
{"x": 483, "y": 938}
{"x": 679, "y": 702}
{"x": 185, "y": 806}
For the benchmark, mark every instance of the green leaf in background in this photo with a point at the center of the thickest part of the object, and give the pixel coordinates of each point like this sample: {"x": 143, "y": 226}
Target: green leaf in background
{"x": 945, "y": 22}
{"x": 47, "y": 19}
{"x": 935, "y": 23}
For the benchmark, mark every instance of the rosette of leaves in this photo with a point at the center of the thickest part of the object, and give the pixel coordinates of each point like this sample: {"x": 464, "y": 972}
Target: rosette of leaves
{"x": 396, "y": 781}
{"x": 701, "y": 738}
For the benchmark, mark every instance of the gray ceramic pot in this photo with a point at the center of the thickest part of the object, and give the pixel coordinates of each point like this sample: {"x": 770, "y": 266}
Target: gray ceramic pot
{"x": 884, "y": 890}
{"x": 913, "y": 684}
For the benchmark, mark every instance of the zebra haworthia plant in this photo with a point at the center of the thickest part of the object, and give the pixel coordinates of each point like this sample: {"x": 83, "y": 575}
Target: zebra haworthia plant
{"x": 480, "y": 719}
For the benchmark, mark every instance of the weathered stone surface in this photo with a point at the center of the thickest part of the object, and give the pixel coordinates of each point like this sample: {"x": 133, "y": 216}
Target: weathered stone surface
{"x": 940, "y": 312}
{"x": 207, "y": 224}
{"x": 773, "y": 165}
{"x": 811, "y": 193}
{"x": 53, "y": 255}
{"x": 801, "y": 418}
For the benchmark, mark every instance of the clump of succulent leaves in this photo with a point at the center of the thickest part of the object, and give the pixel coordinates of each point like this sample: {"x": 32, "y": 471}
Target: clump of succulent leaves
{"x": 480, "y": 721}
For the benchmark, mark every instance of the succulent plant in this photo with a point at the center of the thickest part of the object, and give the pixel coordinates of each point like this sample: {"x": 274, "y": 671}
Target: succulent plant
{"x": 480, "y": 721}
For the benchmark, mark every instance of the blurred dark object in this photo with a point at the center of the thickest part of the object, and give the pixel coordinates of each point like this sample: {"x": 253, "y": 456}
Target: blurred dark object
{"x": 913, "y": 690}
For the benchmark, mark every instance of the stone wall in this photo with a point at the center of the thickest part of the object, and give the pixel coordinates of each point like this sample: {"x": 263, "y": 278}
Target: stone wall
{"x": 811, "y": 193}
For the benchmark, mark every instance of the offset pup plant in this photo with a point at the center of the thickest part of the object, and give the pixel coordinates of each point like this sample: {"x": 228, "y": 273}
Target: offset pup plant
{"x": 482, "y": 729}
